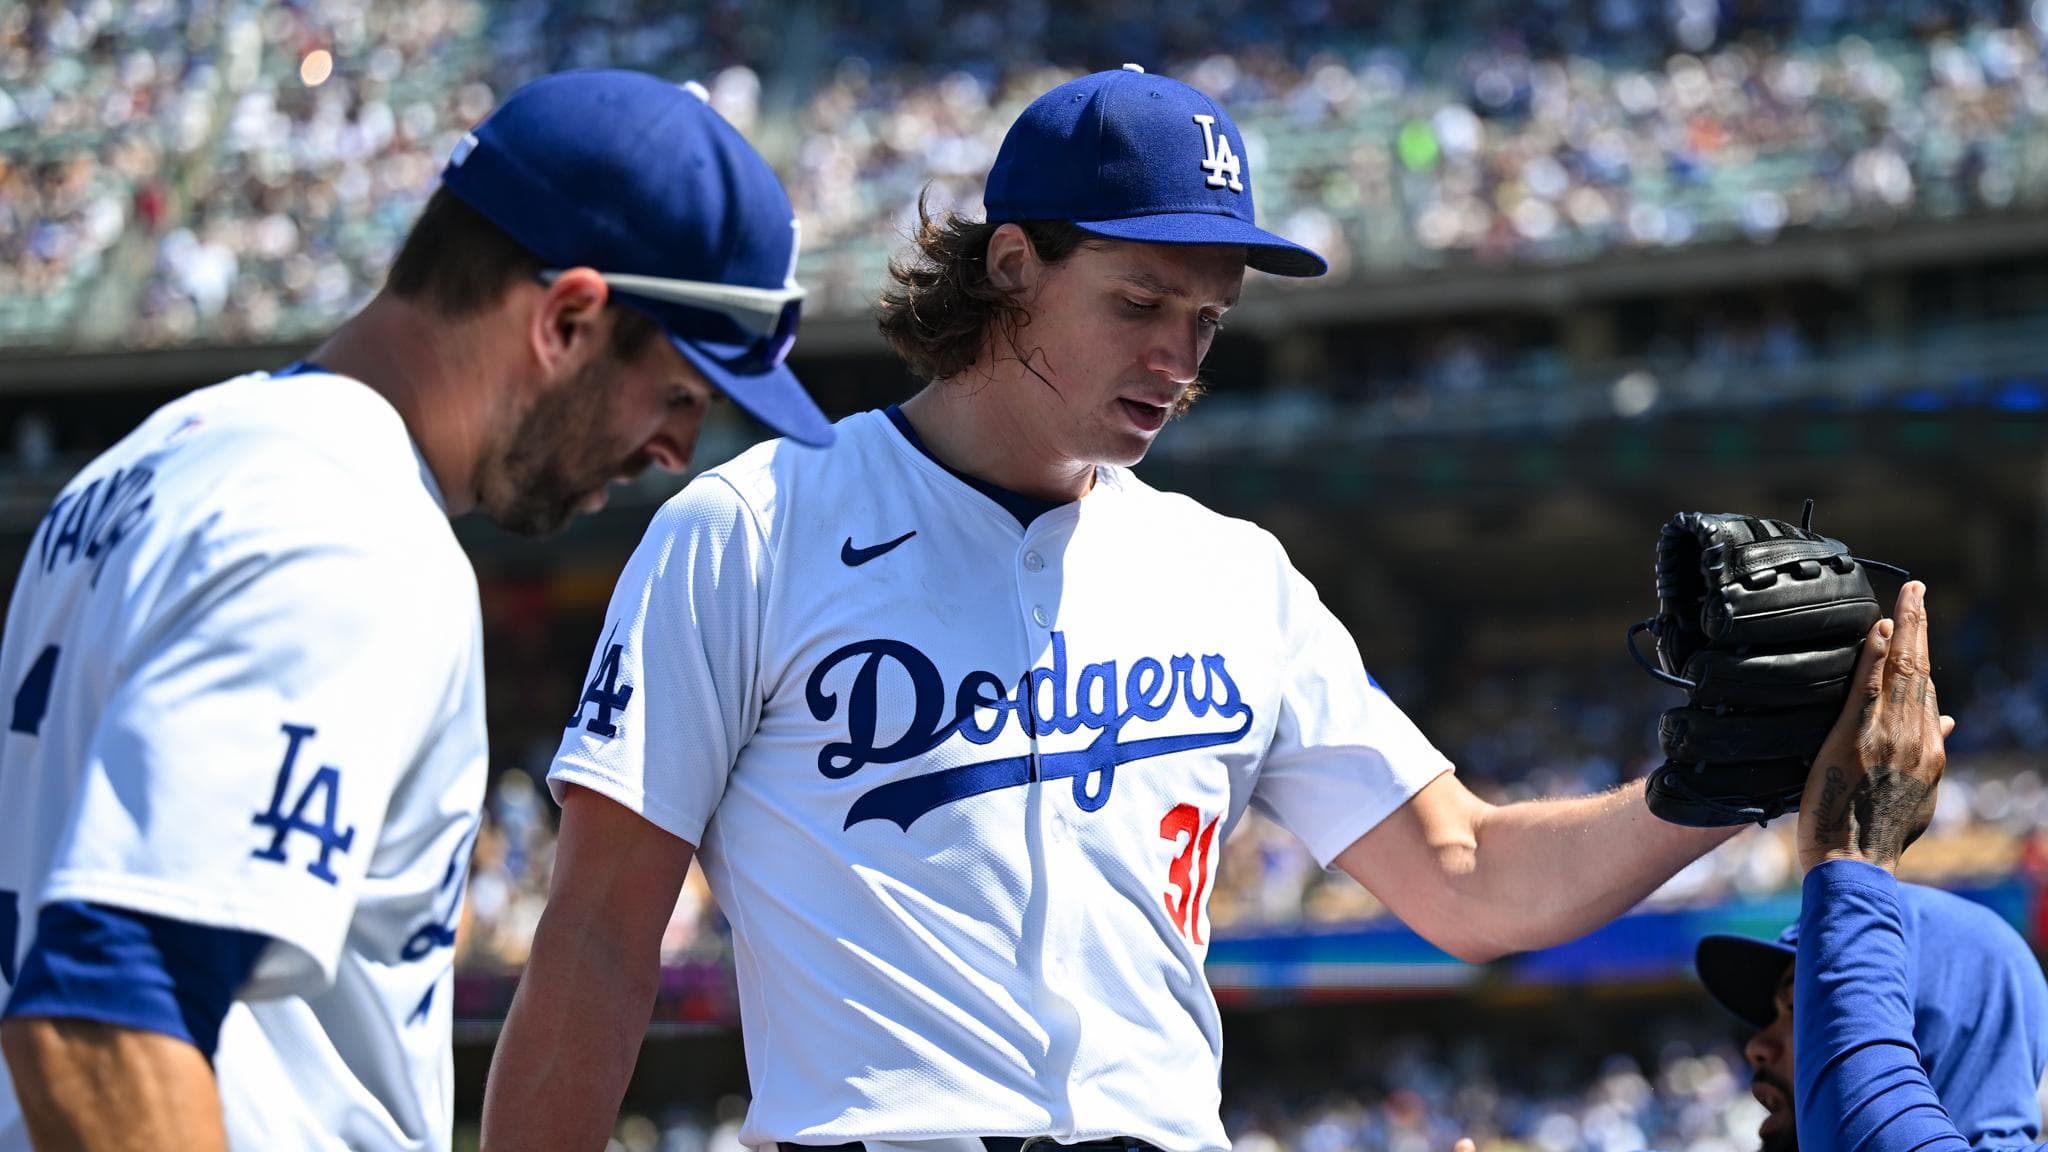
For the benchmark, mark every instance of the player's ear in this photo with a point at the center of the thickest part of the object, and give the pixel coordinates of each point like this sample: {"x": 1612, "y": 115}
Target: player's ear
{"x": 1013, "y": 263}
{"x": 568, "y": 325}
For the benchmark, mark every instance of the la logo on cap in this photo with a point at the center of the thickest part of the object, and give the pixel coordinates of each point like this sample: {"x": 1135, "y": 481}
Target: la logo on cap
{"x": 1114, "y": 153}
{"x": 1218, "y": 160}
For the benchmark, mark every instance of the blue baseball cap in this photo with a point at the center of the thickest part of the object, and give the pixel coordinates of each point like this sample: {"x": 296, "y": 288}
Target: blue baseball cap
{"x": 640, "y": 180}
{"x": 1742, "y": 972}
{"x": 1131, "y": 156}
{"x": 1980, "y": 1007}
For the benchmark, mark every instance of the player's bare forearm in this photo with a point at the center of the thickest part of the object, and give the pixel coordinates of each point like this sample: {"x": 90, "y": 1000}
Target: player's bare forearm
{"x": 102, "y": 1088}
{"x": 569, "y": 1042}
{"x": 575, "y": 1027}
{"x": 1571, "y": 864}
{"x": 1482, "y": 880}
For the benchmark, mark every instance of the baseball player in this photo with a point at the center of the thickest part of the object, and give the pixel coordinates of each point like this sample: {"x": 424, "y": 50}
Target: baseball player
{"x": 1979, "y": 1017}
{"x": 246, "y": 750}
{"x": 957, "y": 712}
{"x": 1861, "y": 1079}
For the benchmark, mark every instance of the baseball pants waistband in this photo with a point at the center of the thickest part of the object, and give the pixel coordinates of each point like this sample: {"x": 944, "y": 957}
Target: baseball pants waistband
{"x": 1005, "y": 1144}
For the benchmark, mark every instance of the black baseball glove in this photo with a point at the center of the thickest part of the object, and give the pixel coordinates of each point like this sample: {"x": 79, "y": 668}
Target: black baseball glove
{"x": 1760, "y": 622}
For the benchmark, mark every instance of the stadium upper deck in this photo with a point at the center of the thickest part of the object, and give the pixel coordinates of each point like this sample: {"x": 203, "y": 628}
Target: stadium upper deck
{"x": 222, "y": 171}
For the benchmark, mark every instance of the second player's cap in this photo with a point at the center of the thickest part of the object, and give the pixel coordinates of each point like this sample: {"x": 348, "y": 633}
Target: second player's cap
{"x": 1132, "y": 156}
{"x": 1742, "y": 972}
{"x": 640, "y": 180}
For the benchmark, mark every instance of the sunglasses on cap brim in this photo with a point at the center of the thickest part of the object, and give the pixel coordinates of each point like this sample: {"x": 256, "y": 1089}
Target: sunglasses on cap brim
{"x": 771, "y": 315}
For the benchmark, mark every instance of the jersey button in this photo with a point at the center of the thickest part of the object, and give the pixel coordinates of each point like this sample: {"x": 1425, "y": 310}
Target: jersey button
{"x": 1040, "y": 616}
{"x": 1033, "y": 562}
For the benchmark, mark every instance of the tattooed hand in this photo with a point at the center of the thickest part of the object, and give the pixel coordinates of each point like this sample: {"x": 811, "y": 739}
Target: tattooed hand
{"x": 1871, "y": 791}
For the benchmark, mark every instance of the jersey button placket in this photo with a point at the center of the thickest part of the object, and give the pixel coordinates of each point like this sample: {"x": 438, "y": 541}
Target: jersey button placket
{"x": 1067, "y": 876}
{"x": 1033, "y": 564}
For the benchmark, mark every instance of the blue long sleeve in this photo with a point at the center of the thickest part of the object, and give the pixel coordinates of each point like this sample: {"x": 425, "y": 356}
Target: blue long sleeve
{"x": 1860, "y": 1084}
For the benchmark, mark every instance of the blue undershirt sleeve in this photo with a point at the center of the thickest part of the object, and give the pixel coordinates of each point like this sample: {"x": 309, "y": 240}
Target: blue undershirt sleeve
{"x": 1860, "y": 1086}
{"x": 133, "y": 970}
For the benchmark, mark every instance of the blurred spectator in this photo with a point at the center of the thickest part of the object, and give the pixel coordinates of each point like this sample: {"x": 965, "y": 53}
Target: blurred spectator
{"x": 35, "y": 444}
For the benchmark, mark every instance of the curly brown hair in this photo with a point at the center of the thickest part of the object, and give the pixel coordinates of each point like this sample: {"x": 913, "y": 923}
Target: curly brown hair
{"x": 940, "y": 303}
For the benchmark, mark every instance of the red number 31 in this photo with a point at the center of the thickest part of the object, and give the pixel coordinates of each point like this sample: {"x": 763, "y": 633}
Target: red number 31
{"x": 1189, "y": 872}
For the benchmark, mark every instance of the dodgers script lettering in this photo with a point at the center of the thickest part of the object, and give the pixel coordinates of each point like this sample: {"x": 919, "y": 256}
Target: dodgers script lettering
{"x": 1103, "y": 699}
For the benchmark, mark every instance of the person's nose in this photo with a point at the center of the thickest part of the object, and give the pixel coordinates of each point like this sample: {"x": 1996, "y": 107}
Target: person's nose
{"x": 1176, "y": 351}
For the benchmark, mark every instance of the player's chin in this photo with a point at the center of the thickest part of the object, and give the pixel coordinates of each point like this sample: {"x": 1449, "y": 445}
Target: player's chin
{"x": 1778, "y": 1133}
{"x": 1124, "y": 446}
{"x": 1125, "y": 452}
{"x": 537, "y": 515}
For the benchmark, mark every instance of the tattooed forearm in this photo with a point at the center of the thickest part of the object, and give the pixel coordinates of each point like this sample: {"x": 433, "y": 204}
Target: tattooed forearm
{"x": 1877, "y": 815}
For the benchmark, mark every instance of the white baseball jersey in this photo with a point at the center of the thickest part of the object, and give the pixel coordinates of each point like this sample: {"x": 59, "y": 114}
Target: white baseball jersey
{"x": 245, "y": 660}
{"x": 960, "y": 785}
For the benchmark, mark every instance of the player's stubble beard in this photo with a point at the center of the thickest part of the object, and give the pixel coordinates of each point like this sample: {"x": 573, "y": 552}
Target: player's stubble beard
{"x": 559, "y": 453}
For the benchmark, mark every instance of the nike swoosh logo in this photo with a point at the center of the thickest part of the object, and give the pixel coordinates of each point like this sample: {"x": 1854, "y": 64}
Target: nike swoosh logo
{"x": 855, "y": 557}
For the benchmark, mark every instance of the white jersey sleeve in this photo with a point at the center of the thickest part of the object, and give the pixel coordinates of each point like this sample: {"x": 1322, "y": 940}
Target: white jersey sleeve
{"x": 286, "y": 678}
{"x": 672, "y": 694}
{"x": 1344, "y": 756}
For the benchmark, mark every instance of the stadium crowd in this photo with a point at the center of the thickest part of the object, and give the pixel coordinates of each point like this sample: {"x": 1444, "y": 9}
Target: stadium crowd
{"x": 302, "y": 194}
{"x": 1513, "y": 731}
{"x": 273, "y": 155}
{"x": 1536, "y": 137}
{"x": 94, "y": 99}
{"x": 1418, "y": 1093}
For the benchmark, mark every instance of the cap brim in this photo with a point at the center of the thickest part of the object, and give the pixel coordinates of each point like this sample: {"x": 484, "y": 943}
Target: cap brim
{"x": 774, "y": 397}
{"x": 1263, "y": 250}
{"x": 1742, "y": 973}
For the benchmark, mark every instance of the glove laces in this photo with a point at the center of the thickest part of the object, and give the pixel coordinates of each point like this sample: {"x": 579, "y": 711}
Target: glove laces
{"x": 1655, "y": 624}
